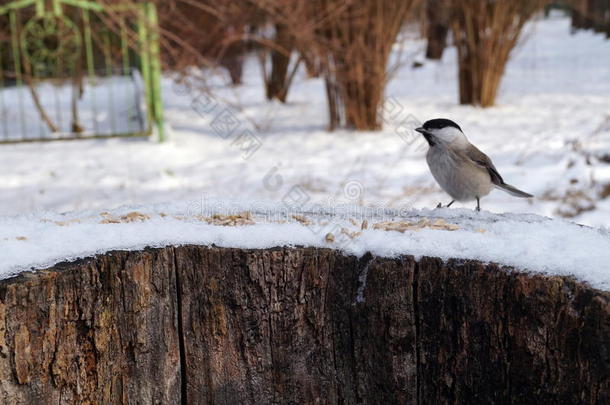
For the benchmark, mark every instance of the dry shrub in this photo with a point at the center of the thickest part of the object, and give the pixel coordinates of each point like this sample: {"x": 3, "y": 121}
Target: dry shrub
{"x": 205, "y": 33}
{"x": 354, "y": 39}
{"x": 348, "y": 41}
{"x": 485, "y": 32}
{"x": 220, "y": 33}
{"x": 284, "y": 32}
{"x": 191, "y": 32}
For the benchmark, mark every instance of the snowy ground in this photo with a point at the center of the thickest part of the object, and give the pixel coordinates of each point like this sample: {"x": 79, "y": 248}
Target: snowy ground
{"x": 548, "y": 135}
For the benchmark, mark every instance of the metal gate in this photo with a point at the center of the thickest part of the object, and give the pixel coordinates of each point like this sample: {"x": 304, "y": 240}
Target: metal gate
{"x": 72, "y": 69}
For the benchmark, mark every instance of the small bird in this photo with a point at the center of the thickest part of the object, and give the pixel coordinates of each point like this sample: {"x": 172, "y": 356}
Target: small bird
{"x": 462, "y": 170}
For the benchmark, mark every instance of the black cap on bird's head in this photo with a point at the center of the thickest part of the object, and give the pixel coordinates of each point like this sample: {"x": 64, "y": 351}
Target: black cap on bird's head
{"x": 439, "y": 130}
{"x": 437, "y": 123}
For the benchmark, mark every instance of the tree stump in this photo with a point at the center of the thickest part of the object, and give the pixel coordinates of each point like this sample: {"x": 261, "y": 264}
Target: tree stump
{"x": 207, "y": 325}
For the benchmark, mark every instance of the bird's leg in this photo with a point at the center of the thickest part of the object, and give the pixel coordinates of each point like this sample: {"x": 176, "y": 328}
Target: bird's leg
{"x": 478, "y": 205}
{"x": 446, "y": 206}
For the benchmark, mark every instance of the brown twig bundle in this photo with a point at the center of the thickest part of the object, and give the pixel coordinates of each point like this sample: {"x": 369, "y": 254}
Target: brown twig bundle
{"x": 355, "y": 45}
{"x": 485, "y": 32}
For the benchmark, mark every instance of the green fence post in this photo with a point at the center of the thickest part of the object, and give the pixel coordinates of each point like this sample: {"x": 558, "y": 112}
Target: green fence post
{"x": 90, "y": 63}
{"x": 39, "y": 8}
{"x": 18, "y": 73}
{"x": 155, "y": 64}
{"x": 57, "y": 7}
{"x": 145, "y": 63}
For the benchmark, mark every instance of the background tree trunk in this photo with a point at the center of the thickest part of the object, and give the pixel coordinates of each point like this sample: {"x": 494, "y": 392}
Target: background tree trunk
{"x": 591, "y": 14}
{"x": 278, "y": 83}
{"x": 437, "y": 14}
{"x": 206, "y": 325}
{"x": 233, "y": 61}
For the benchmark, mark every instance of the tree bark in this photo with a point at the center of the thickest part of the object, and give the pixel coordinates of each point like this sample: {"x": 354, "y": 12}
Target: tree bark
{"x": 437, "y": 14}
{"x": 207, "y": 325}
{"x": 233, "y": 61}
{"x": 278, "y": 83}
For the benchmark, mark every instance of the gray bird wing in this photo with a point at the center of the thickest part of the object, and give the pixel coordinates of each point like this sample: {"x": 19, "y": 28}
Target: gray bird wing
{"x": 480, "y": 159}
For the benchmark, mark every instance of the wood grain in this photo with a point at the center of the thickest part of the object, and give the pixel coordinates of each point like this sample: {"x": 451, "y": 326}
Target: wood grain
{"x": 207, "y": 325}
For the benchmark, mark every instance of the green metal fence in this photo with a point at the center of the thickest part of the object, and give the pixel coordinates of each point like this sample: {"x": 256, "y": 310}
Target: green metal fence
{"x": 72, "y": 69}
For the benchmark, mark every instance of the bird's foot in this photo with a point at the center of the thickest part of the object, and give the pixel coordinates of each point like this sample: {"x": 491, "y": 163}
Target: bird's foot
{"x": 440, "y": 205}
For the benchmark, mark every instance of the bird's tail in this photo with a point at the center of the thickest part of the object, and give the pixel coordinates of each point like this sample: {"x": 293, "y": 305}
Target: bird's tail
{"x": 513, "y": 191}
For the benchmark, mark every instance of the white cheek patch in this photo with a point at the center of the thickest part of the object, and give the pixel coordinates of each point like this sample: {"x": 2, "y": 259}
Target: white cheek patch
{"x": 447, "y": 134}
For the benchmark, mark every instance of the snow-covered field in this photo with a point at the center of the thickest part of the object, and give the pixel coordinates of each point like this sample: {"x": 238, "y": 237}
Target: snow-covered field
{"x": 548, "y": 135}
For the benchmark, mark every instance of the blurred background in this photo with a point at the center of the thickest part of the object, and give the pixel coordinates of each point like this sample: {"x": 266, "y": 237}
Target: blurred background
{"x": 299, "y": 102}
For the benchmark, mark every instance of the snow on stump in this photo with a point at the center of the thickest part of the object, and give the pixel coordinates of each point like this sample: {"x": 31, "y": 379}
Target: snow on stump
{"x": 204, "y": 324}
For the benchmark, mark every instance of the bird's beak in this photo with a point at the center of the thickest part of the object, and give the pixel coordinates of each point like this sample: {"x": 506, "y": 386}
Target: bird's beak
{"x": 429, "y": 137}
{"x": 421, "y": 130}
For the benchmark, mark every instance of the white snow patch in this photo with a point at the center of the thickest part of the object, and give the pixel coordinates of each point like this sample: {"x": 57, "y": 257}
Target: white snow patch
{"x": 364, "y": 273}
{"x": 527, "y": 242}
